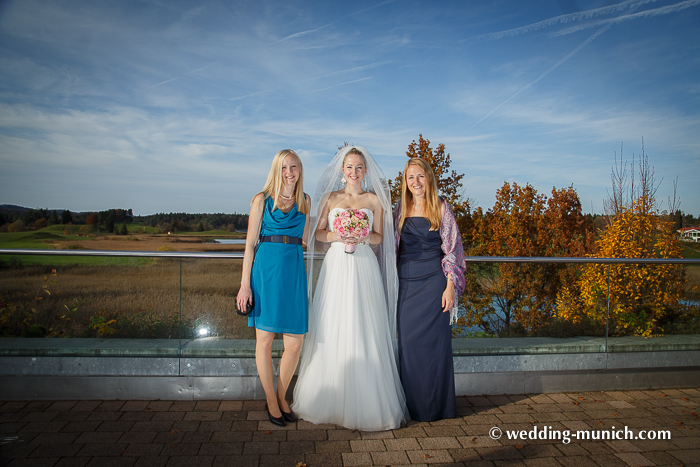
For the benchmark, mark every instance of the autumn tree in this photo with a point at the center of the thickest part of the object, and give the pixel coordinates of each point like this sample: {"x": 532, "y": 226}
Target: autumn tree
{"x": 17, "y": 226}
{"x": 40, "y": 224}
{"x": 522, "y": 223}
{"x": 92, "y": 220}
{"x": 643, "y": 297}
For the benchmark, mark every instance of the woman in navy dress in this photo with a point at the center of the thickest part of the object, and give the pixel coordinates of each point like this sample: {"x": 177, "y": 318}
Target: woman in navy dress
{"x": 274, "y": 277}
{"x": 430, "y": 263}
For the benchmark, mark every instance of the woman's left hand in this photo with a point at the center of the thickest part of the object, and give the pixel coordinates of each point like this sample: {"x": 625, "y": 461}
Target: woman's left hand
{"x": 448, "y": 297}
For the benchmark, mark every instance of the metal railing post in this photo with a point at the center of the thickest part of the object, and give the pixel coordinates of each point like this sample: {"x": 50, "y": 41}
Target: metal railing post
{"x": 607, "y": 314}
{"x": 180, "y": 320}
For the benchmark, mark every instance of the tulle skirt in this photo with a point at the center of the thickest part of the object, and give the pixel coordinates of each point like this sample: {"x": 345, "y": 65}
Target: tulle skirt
{"x": 348, "y": 374}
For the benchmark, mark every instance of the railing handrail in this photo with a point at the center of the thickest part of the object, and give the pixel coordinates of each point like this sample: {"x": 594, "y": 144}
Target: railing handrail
{"x": 239, "y": 255}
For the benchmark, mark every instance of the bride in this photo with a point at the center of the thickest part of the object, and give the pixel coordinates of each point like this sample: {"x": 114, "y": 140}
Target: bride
{"x": 348, "y": 374}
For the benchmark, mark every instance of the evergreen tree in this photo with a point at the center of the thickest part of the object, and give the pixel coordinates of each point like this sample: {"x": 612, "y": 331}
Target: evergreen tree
{"x": 53, "y": 218}
{"x": 66, "y": 217}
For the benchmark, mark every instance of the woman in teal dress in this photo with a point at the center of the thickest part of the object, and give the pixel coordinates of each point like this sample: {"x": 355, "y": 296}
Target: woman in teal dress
{"x": 274, "y": 277}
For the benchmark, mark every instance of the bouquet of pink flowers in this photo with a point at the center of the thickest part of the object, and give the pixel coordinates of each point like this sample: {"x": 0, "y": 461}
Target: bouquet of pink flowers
{"x": 351, "y": 223}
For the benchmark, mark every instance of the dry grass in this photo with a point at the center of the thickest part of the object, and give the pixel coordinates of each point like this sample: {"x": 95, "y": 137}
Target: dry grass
{"x": 143, "y": 243}
{"x": 692, "y": 284}
{"x": 142, "y": 294}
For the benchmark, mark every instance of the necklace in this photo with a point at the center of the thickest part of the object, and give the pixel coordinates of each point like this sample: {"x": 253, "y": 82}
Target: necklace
{"x": 288, "y": 198}
{"x": 418, "y": 208}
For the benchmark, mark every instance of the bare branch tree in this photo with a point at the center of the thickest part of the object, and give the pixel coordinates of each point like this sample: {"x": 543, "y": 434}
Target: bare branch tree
{"x": 615, "y": 202}
{"x": 627, "y": 191}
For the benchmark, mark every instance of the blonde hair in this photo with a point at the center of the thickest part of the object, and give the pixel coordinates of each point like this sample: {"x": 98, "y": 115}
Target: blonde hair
{"x": 273, "y": 185}
{"x": 357, "y": 152}
{"x": 433, "y": 211}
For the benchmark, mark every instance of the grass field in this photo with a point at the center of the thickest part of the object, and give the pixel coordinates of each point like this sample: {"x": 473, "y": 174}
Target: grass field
{"x": 142, "y": 301}
{"x": 691, "y": 250}
{"x": 141, "y": 295}
{"x": 53, "y": 238}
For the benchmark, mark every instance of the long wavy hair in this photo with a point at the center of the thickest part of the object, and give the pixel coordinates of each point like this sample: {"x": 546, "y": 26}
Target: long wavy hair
{"x": 274, "y": 183}
{"x": 433, "y": 206}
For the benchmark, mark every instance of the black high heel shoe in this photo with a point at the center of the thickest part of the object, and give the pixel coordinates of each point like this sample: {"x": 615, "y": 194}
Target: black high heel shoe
{"x": 290, "y": 416}
{"x": 279, "y": 421}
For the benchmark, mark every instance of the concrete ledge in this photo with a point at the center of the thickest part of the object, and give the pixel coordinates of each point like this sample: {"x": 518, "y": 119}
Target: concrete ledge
{"x": 537, "y": 382}
{"x": 249, "y": 387}
{"x": 245, "y": 348}
{"x": 225, "y": 369}
{"x": 90, "y": 347}
{"x": 528, "y": 345}
{"x": 65, "y": 377}
{"x": 130, "y": 388}
{"x": 575, "y": 362}
{"x": 89, "y": 366}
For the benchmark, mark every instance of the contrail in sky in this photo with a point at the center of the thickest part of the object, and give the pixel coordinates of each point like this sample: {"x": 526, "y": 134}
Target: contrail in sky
{"x": 310, "y": 31}
{"x": 181, "y": 76}
{"x": 346, "y": 82}
{"x": 254, "y": 94}
{"x": 303, "y": 33}
{"x": 549, "y": 70}
{"x": 349, "y": 70}
{"x": 607, "y": 23}
{"x": 568, "y": 18}
{"x": 339, "y": 72}
{"x": 664, "y": 10}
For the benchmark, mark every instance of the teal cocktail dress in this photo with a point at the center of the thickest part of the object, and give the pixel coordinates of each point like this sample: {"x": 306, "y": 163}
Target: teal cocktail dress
{"x": 278, "y": 277}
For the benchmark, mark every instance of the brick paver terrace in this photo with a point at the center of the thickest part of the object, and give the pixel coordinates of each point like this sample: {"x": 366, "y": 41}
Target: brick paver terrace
{"x": 237, "y": 433}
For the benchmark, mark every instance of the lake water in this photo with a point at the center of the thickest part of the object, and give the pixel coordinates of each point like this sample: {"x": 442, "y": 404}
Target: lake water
{"x": 230, "y": 241}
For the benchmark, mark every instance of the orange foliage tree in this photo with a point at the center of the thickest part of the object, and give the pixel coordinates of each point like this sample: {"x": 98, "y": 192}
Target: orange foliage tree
{"x": 92, "y": 220}
{"x": 520, "y": 298}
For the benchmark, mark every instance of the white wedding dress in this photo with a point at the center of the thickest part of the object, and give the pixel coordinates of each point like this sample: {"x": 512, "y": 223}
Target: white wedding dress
{"x": 348, "y": 374}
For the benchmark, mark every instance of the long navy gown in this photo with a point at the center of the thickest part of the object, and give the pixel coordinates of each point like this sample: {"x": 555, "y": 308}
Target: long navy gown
{"x": 425, "y": 335}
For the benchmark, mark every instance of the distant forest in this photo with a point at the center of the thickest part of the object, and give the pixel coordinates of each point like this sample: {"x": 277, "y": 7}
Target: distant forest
{"x": 18, "y": 219}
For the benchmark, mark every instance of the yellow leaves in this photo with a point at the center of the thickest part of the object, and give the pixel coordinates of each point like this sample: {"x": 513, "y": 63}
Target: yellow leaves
{"x": 640, "y": 294}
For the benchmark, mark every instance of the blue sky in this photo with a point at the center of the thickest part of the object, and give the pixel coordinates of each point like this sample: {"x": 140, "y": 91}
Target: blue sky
{"x": 166, "y": 106}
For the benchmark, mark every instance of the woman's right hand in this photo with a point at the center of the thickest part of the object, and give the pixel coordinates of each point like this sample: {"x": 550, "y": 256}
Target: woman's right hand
{"x": 245, "y": 296}
{"x": 349, "y": 240}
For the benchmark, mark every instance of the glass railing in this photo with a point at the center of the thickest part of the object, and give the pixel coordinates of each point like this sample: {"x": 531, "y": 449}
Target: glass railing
{"x": 574, "y": 305}
{"x": 130, "y": 303}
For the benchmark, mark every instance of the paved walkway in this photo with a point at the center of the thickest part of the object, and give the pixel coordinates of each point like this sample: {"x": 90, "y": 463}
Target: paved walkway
{"x": 236, "y": 433}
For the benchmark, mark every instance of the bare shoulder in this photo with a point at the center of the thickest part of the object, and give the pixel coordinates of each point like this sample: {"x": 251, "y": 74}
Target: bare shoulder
{"x": 334, "y": 198}
{"x": 257, "y": 200}
{"x": 374, "y": 201}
